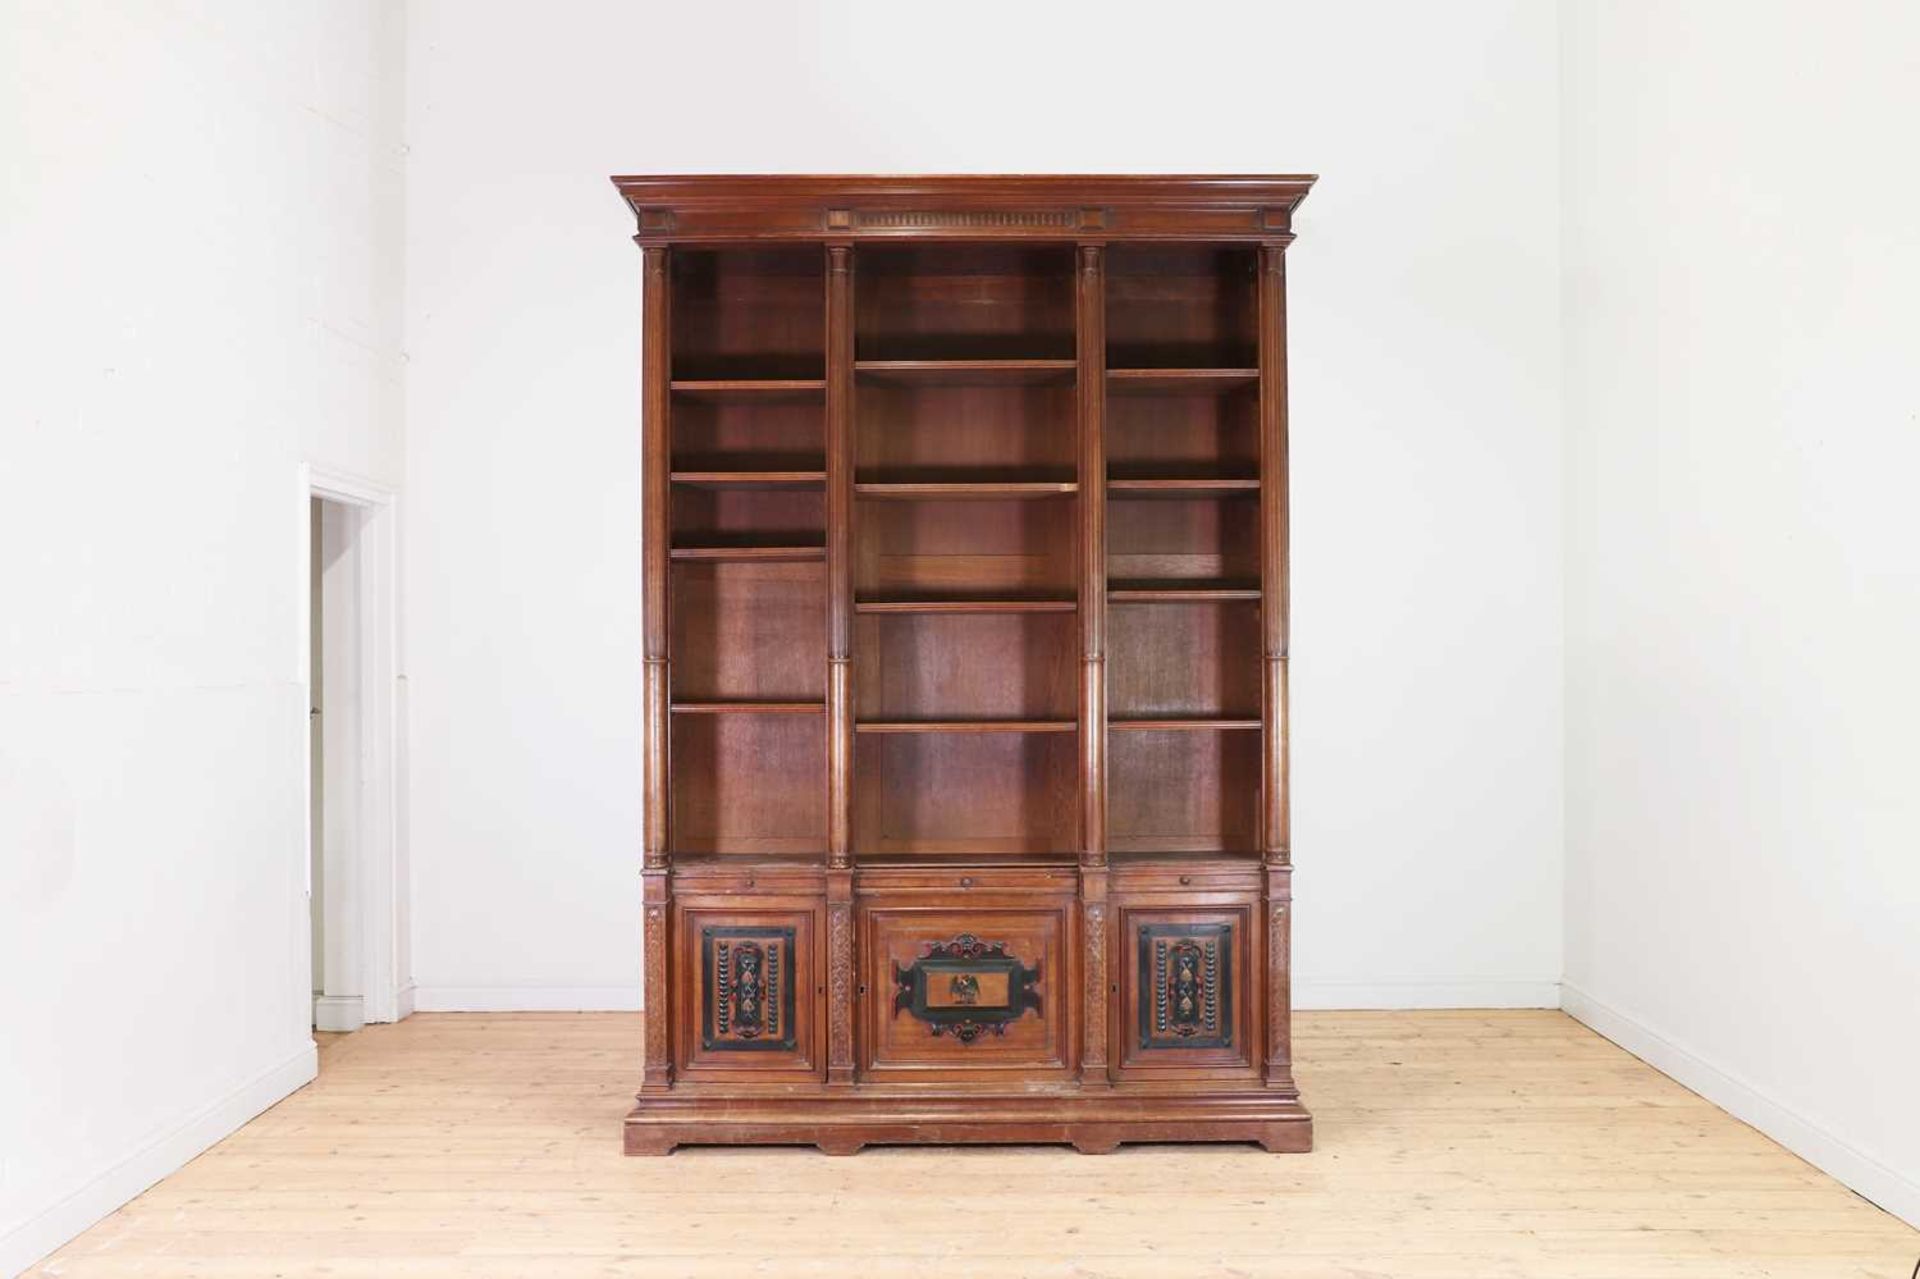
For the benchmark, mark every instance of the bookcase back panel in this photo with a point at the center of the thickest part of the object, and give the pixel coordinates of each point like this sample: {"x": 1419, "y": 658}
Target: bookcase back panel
{"x": 750, "y": 431}
{"x": 964, "y": 301}
{"x": 959, "y": 431}
{"x": 749, "y": 783}
{"x": 966, "y": 549}
{"x": 988, "y": 792}
{"x": 1212, "y": 541}
{"x": 749, "y": 517}
{"x": 1180, "y": 660}
{"x": 1182, "y": 306}
{"x": 1212, "y": 434}
{"x": 749, "y": 313}
{"x": 1173, "y": 791}
{"x": 932, "y": 666}
{"x": 746, "y": 632}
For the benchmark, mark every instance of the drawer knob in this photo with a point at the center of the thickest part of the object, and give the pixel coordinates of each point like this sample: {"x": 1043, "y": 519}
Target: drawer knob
{"x": 966, "y": 881}
{"x": 1185, "y": 879}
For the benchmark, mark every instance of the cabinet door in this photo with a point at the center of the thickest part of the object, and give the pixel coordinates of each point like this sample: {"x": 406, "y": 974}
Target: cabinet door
{"x": 749, "y": 993}
{"x": 1187, "y": 991}
{"x": 965, "y": 993}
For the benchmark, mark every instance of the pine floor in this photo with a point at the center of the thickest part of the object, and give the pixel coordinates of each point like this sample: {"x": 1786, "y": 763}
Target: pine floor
{"x": 1481, "y": 1144}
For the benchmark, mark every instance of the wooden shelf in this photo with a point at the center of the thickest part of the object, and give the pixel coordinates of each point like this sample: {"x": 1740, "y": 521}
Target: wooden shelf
{"x": 966, "y": 606}
{"x": 967, "y": 726}
{"x": 749, "y": 479}
{"x": 747, "y": 554}
{"x": 750, "y": 387}
{"x": 749, "y": 708}
{"x": 1181, "y": 594}
{"x": 1123, "y": 380}
{"x": 1196, "y": 487}
{"x": 924, "y": 859}
{"x": 1195, "y": 724}
{"x": 964, "y": 371}
{"x": 966, "y": 489}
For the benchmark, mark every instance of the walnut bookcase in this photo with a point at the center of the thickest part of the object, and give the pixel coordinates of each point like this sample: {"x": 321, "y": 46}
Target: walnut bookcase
{"x": 965, "y": 575}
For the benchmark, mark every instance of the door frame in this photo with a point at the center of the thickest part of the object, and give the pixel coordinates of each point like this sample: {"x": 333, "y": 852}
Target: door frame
{"x": 385, "y": 964}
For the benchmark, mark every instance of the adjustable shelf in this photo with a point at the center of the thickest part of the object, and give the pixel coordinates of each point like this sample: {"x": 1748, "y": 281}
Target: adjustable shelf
{"x": 747, "y": 554}
{"x": 1190, "y": 724}
{"x": 966, "y": 606}
{"x": 749, "y": 708}
{"x": 1200, "y": 486}
{"x": 963, "y": 372}
{"x": 749, "y": 479}
{"x": 1123, "y": 381}
{"x": 1180, "y": 594}
{"x": 965, "y": 489}
{"x": 967, "y": 726}
{"x": 745, "y": 388}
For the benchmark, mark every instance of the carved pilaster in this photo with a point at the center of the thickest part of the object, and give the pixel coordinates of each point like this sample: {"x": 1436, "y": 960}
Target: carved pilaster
{"x": 840, "y": 977}
{"x": 1279, "y": 905}
{"x": 1096, "y": 994}
{"x": 656, "y": 936}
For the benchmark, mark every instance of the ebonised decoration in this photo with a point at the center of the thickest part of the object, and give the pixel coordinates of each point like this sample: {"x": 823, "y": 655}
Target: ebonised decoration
{"x": 967, "y": 988}
{"x": 1186, "y": 985}
{"x": 747, "y": 988}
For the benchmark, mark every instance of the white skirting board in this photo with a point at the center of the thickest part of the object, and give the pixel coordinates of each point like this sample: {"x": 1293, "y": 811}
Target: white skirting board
{"x": 27, "y": 1241}
{"x": 1469, "y": 992}
{"x": 526, "y": 999}
{"x": 340, "y": 1014}
{"x": 1858, "y": 1171}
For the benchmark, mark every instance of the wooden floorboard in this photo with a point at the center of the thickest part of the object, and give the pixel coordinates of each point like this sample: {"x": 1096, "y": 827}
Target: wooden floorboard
{"x": 1469, "y": 1145}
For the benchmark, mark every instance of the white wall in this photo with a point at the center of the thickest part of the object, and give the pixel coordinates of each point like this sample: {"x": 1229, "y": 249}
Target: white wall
{"x": 1743, "y": 593}
{"x": 1425, "y": 295}
{"x": 202, "y": 228}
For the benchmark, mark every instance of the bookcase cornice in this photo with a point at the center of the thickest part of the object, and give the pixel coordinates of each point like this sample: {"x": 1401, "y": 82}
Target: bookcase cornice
{"x": 731, "y": 208}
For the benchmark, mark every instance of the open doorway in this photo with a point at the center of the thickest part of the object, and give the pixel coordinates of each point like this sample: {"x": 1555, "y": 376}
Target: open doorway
{"x": 356, "y": 952}
{"x": 333, "y": 713}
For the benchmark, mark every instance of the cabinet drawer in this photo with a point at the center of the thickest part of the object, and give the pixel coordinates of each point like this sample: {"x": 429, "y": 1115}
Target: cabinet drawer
{"x": 749, "y": 996}
{"x": 949, "y": 994}
{"x": 1187, "y": 991}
